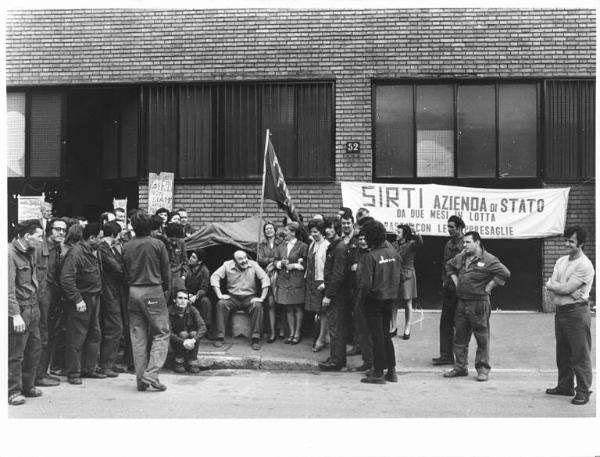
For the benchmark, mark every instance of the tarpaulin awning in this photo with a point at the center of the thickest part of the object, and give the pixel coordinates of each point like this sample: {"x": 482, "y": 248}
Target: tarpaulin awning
{"x": 243, "y": 234}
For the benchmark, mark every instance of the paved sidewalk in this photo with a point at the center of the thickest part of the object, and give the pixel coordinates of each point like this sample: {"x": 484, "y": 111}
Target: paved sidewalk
{"x": 519, "y": 342}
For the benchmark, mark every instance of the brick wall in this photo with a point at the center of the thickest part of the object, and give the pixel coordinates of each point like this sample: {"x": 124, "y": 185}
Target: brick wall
{"x": 231, "y": 202}
{"x": 581, "y": 211}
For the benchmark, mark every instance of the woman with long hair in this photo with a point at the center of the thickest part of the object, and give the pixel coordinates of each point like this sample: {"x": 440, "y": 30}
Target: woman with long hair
{"x": 267, "y": 249}
{"x": 289, "y": 262}
{"x": 407, "y": 245}
{"x": 315, "y": 285}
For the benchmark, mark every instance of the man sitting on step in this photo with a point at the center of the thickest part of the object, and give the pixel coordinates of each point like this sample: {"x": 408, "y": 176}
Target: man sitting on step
{"x": 241, "y": 276}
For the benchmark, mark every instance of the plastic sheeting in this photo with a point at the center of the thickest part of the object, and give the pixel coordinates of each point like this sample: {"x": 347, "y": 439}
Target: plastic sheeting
{"x": 243, "y": 234}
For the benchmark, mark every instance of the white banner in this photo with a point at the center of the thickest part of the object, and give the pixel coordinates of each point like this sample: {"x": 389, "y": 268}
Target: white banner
{"x": 29, "y": 207}
{"x": 494, "y": 213}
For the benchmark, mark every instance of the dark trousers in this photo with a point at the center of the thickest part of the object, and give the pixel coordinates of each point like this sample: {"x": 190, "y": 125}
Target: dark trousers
{"x": 573, "y": 348}
{"x": 149, "y": 327}
{"x": 127, "y": 350}
{"x": 339, "y": 321}
{"x": 204, "y": 307}
{"x": 83, "y": 336}
{"x": 183, "y": 355}
{"x": 362, "y": 336}
{"x": 224, "y": 307}
{"x": 449, "y": 303}
{"x": 111, "y": 325}
{"x": 472, "y": 318}
{"x": 379, "y": 317}
{"x": 57, "y": 355}
{"x": 24, "y": 351}
{"x": 51, "y": 316}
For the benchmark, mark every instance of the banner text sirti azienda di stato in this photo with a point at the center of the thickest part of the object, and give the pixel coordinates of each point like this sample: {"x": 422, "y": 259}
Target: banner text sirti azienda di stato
{"x": 494, "y": 213}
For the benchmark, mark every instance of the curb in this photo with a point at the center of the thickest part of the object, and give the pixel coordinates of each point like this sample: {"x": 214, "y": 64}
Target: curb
{"x": 224, "y": 362}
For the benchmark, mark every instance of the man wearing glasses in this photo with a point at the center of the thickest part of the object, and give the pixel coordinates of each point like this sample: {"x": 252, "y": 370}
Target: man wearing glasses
{"x": 52, "y": 253}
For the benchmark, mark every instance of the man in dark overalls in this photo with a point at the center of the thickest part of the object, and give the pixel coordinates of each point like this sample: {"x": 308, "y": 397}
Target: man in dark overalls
{"x": 475, "y": 272}
{"x": 81, "y": 280}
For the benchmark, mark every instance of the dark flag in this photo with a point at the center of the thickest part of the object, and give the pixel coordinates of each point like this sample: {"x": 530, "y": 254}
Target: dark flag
{"x": 275, "y": 187}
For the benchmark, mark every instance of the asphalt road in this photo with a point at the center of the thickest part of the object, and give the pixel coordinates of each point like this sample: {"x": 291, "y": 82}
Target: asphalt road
{"x": 247, "y": 394}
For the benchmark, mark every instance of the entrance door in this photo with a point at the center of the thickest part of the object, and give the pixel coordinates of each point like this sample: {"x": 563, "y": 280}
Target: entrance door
{"x": 101, "y": 150}
{"x": 522, "y": 257}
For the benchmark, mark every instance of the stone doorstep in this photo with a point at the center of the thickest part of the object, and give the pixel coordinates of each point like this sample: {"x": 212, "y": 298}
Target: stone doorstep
{"x": 216, "y": 361}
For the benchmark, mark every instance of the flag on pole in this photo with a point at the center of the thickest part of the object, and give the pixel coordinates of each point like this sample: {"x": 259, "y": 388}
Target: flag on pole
{"x": 275, "y": 188}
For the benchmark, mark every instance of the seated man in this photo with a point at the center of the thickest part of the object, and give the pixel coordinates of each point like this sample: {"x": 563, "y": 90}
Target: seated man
{"x": 187, "y": 328}
{"x": 241, "y": 275}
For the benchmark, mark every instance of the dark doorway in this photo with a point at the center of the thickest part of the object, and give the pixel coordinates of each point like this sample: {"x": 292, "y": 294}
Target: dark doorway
{"x": 522, "y": 257}
{"x": 93, "y": 152}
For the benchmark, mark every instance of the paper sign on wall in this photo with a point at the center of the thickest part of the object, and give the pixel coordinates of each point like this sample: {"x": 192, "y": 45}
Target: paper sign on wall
{"x": 30, "y": 207}
{"x": 160, "y": 191}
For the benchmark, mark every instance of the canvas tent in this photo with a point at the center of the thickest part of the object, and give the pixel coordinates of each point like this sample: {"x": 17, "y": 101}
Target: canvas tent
{"x": 242, "y": 234}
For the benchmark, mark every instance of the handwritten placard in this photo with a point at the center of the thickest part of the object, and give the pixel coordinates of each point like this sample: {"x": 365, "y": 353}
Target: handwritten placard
{"x": 160, "y": 191}
{"x": 30, "y": 207}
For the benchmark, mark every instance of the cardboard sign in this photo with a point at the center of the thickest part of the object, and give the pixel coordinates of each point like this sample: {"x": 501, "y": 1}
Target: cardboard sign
{"x": 120, "y": 203}
{"x": 494, "y": 213}
{"x": 30, "y": 207}
{"x": 160, "y": 191}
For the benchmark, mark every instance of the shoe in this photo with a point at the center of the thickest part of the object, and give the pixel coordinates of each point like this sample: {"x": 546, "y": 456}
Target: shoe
{"x": 406, "y": 336}
{"x": 219, "y": 342}
{"x": 155, "y": 383}
{"x": 317, "y": 346}
{"x": 131, "y": 369}
{"x": 374, "y": 379}
{"x": 58, "y": 372}
{"x": 47, "y": 382}
{"x": 281, "y": 336}
{"x": 255, "y": 344}
{"x": 179, "y": 368}
{"x": 142, "y": 386}
{"x": 580, "y": 398}
{"x": 296, "y": 340}
{"x": 355, "y": 350}
{"x": 330, "y": 366}
{"x": 391, "y": 376}
{"x": 271, "y": 339}
{"x": 16, "y": 399}
{"x": 558, "y": 391}
{"x": 75, "y": 380}
{"x": 32, "y": 392}
{"x": 361, "y": 368}
{"x": 54, "y": 378}
{"x": 442, "y": 361}
{"x": 108, "y": 372}
{"x": 394, "y": 333}
{"x": 193, "y": 369}
{"x": 93, "y": 375}
{"x": 482, "y": 377}
{"x": 118, "y": 369}
{"x": 454, "y": 373}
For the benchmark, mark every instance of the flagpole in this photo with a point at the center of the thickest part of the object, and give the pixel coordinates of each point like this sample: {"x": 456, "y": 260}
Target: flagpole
{"x": 262, "y": 194}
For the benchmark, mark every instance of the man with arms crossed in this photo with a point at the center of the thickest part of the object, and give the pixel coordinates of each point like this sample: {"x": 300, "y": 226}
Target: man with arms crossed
{"x": 569, "y": 290}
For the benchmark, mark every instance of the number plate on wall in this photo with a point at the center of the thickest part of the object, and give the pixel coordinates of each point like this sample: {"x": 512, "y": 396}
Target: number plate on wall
{"x": 353, "y": 146}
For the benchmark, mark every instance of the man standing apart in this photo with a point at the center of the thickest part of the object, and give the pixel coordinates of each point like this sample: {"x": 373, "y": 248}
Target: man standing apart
{"x": 453, "y": 247}
{"x": 23, "y": 313}
{"x": 569, "y": 289}
{"x": 475, "y": 272}
{"x": 241, "y": 276}
{"x": 81, "y": 281}
{"x": 148, "y": 274}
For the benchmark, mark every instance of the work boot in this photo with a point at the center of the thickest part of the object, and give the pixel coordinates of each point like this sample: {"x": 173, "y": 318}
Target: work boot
{"x": 580, "y": 398}
{"x": 375, "y": 378}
